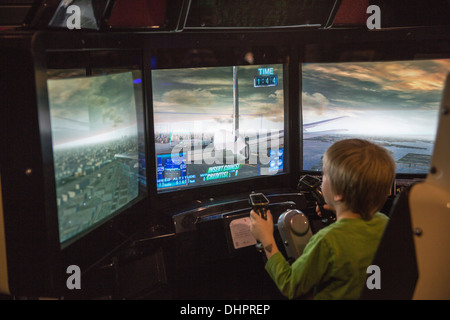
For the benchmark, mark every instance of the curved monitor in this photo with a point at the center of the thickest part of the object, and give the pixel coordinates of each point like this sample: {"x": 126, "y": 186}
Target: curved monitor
{"x": 393, "y": 103}
{"x": 219, "y": 124}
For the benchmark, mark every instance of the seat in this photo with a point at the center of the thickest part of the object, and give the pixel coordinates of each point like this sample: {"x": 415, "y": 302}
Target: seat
{"x": 413, "y": 254}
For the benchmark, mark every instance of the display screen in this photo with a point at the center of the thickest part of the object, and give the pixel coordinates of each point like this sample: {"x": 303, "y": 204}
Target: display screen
{"x": 394, "y": 104}
{"x": 217, "y": 124}
{"x": 99, "y": 162}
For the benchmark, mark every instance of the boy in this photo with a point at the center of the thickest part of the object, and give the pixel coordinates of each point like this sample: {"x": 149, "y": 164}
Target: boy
{"x": 357, "y": 177}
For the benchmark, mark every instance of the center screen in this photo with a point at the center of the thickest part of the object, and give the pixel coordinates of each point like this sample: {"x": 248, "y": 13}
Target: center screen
{"x": 217, "y": 124}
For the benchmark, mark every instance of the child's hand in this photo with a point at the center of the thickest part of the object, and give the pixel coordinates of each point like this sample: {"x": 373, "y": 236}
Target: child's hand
{"x": 262, "y": 229}
{"x": 326, "y": 207}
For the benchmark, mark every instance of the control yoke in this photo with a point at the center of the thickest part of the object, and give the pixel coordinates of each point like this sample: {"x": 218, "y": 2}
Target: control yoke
{"x": 312, "y": 184}
{"x": 260, "y": 204}
{"x": 293, "y": 226}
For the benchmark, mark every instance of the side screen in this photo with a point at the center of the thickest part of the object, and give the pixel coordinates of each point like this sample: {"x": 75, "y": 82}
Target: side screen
{"x": 217, "y": 124}
{"x": 99, "y": 162}
{"x": 394, "y": 104}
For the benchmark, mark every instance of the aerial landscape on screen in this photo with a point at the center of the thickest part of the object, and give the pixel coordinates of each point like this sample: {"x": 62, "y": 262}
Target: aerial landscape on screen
{"x": 96, "y": 145}
{"x": 394, "y": 103}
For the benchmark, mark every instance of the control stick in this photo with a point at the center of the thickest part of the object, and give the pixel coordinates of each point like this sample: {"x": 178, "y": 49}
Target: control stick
{"x": 260, "y": 204}
{"x": 312, "y": 184}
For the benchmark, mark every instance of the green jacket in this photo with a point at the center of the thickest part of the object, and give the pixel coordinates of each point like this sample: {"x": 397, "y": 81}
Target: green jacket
{"x": 334, "y": 262}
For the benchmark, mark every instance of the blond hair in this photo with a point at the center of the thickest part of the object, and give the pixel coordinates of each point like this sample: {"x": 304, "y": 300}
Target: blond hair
{"x": 362, "y": 173}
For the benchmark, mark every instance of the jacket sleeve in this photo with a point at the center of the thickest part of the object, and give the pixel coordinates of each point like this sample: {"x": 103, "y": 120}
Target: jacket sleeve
{"x": 311, "y": 268}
